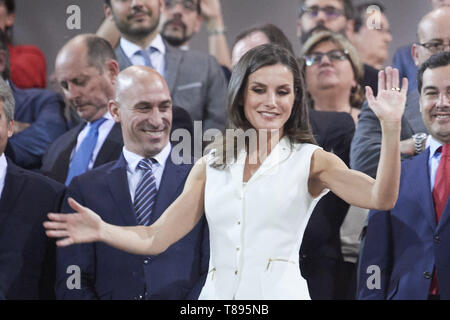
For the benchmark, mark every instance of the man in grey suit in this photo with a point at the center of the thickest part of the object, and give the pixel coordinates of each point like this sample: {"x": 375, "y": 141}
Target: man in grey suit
{"x": 433, "y": 37}
{"x": 195, "y": 79}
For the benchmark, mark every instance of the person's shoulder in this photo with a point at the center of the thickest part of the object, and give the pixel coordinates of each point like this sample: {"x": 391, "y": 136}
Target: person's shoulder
{"x": 37, "y": 180}
{"x": 36, "y": 94}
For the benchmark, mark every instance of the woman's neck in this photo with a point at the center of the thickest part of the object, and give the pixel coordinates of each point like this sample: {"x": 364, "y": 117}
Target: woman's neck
{"x": 266, "y": 140}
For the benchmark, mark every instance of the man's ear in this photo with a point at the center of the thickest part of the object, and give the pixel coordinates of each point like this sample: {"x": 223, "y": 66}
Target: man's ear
{"x": 198, "y": 23}
{"x": 299, "y": 29}
{"x": 114, "y": 109}
{"x": 112, "y": 67}
{"x": 10, "y": 18}
{"x": 415, "y": 53}
{"x": 350, "y": 29}
{"x": 3, "y": 61}
{"x": 108, "y": 11}
{"x": 10, "y": 128}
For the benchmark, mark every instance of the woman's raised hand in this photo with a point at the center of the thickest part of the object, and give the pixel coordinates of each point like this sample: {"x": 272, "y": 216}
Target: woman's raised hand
{"x": 83, "y": 226}
{"x": 389, "y": 104}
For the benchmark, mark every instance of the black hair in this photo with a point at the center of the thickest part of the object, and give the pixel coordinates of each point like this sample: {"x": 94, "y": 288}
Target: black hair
{"x": 272, "y": 32}
{"x": 441, "y": 59}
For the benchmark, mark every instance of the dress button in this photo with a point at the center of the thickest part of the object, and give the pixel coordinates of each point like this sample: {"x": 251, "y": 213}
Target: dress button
{"x": 237, "y": 248}
{"x": 238, "y": 222}
{"x": 427, "y": 275}
{"x": 235, "y": 272}
{"x": 437, "y": 239}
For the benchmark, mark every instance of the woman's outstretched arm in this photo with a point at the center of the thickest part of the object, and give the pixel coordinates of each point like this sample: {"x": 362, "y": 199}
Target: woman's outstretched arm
{"x": 178, "y": 219}
{"x": 356, "y": 188}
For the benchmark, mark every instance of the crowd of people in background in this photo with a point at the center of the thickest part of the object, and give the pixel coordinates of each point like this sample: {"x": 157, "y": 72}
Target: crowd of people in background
{"x": 128, "y": 91}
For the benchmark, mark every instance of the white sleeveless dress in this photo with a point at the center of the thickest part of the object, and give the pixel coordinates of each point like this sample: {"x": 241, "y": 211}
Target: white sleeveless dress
{"x": 256, "y": 229}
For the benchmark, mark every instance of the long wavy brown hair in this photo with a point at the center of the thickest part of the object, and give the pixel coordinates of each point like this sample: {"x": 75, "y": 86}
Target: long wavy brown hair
{"x": 297, "y": 127}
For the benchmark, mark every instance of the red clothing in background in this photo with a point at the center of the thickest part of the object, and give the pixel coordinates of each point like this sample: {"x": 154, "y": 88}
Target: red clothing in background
{"x": 28, "y": 66}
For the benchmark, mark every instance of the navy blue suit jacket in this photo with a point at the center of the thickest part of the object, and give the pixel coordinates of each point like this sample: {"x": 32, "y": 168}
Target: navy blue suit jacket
{"x": 406, "y": 243}
{"x": 27, "y": 256}
{"x": 108, "y": 273}
{"x": 44, "y": 111}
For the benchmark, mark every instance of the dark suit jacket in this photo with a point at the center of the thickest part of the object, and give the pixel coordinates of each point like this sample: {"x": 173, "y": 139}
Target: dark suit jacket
{"x": 321, "y": 260}
{"x": 196, "y": 83}
{"x": 27, "y": 261}
{"x": 406, "y": 243}
{"x": 108, "y": 273}
{"x": 44, "y": 111}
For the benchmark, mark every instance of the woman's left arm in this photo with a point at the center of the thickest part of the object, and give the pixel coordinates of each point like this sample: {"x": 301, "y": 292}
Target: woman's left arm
{"x": 356, "y": 188}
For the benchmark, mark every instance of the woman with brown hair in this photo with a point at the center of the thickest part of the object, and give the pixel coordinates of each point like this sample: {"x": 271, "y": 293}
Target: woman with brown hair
{"x": 333, "y": 73}
{"x": 258, "y": 197}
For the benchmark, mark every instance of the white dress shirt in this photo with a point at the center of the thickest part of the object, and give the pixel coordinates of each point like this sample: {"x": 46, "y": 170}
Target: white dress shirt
{"x": 156, "y": 56}
{"x": 103, "y": 132}
{"x": 3, "y": 167}
{"x": 134, "y": 175}
{"x": 433, "y": 160}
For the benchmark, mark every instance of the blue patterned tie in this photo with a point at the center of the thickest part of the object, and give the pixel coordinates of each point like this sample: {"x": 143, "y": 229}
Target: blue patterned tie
{"x": 145, "y": 54}
{"x": 145, "y": 196}
{"x": 83, "y": 155}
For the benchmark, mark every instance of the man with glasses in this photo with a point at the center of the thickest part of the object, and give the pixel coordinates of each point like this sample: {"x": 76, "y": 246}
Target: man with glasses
{"x": 403, "y": 57}
{"x": 319, "y": 15}
{"x": 194, "y": 78}
{"x": 433, "y": 37}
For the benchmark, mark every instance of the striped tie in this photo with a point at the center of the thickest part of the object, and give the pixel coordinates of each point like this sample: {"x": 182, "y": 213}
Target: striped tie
{"x": 144, "y": 198}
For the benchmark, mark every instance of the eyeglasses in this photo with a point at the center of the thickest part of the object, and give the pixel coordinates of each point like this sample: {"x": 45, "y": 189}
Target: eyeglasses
{"x": 334, "y": 55}
{"x": 329, "y": 11}
{"x": 435, "y": 46}
{"x": 188, "y": 5}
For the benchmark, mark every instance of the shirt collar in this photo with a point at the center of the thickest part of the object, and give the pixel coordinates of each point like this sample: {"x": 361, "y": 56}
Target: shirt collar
{"x": 133, "y": 159}
{"x": 434, "y": 145}
{"x": 3, "y": 168}
{"x": 131, "y": 48}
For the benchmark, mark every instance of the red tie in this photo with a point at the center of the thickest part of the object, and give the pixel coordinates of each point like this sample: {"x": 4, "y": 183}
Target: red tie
{"x": 441, "y": 192}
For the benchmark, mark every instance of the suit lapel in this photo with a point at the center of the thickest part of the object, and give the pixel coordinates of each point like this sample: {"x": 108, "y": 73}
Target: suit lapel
{"x": 171, "y": 179}
{"x": 278, "y": 154}
{"x": 113, "y": 143}
{"x": 118, "y": 186}
{"x": 14, "y": 183}
{"x": 418, "y": 171}
{"x": 122, "y": 58}
{"x": 62, "y": 162}
{"x": 172, "y": 61}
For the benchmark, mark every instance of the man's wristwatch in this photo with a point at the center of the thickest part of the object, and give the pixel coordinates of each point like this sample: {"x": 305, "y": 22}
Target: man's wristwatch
{"x": 419, "y": 142}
